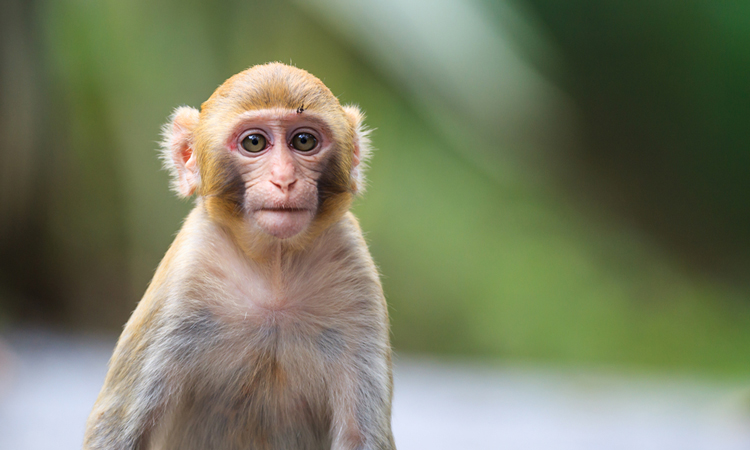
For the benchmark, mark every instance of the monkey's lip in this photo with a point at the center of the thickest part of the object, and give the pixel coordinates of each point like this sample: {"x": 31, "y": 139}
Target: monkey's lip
{"x": 283, "y": 222}
{"x": 283, "y": 209}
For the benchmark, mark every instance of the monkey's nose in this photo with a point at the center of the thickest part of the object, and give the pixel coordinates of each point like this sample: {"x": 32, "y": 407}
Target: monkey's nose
{"x": 283, "y": 173}
{"x": 284, "y": 185}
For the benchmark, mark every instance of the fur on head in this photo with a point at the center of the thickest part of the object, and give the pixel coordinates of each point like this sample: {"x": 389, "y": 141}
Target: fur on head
{"x": 194, "y": 145}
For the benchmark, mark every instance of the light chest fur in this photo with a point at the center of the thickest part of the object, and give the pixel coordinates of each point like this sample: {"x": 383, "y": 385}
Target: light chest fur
{"x": 260, "y": 346}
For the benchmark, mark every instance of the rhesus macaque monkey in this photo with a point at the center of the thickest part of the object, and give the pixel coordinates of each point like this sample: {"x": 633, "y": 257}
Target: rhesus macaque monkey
{"x": 265, "y": 325}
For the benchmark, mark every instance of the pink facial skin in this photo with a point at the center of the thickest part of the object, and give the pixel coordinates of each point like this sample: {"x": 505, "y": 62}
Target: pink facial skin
{"x": 280, "y": 180}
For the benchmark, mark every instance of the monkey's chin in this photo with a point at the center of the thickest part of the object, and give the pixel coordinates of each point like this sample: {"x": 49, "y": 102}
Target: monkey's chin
{"x": 283, "y": 223}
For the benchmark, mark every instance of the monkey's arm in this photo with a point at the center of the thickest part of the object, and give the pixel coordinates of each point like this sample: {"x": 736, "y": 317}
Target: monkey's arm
{"x": 362, "y": 401}
{"x": 133, "y": 392}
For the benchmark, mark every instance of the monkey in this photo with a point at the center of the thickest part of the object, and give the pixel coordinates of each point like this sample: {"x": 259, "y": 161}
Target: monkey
{"x": 265, "y": 325}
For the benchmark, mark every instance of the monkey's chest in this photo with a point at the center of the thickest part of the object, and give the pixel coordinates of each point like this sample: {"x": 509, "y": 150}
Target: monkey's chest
{"x": 255, "y": 388}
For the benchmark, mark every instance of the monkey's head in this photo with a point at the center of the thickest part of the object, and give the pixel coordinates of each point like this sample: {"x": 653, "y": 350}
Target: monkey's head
{"x": 272, "y": 153}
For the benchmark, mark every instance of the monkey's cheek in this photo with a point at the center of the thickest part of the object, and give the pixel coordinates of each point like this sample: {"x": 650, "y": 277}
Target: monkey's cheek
{"x": 283, "y": 224}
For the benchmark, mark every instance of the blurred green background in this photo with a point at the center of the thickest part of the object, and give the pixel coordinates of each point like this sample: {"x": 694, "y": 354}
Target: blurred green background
{"x": 562, "y": 182}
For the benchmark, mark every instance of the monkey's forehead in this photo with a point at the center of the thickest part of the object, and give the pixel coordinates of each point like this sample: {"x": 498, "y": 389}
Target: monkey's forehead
{"x": 224, "y": 127}
{"x": 232, "y": 126}
{"x": 282, "y": 116}
{"x": 273, "y": 85}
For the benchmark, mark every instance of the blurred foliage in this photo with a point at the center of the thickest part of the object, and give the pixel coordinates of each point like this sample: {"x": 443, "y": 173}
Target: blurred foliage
{"x": 553, "y": 180}
{"x": 662, "y": 89}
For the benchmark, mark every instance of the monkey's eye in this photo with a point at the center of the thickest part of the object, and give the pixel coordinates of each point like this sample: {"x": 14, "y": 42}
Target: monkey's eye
{"x": 254, "y": 143}
{"x": 304, "y": 142}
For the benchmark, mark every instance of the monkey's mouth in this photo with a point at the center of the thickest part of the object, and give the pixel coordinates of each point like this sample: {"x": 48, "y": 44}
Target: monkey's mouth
{"x": 284, "y": 209}
{"x": 283, "y": 221}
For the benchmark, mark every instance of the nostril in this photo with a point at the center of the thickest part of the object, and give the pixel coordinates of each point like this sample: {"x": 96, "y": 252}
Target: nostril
{"x": 283, "y": 185}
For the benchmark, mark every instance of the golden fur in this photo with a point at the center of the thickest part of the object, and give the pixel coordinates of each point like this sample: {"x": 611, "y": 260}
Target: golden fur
{"x": 242, "y": 340}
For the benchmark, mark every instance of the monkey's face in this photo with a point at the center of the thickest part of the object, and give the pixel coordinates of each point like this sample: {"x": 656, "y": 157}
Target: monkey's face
{"x": 271, "y": 151}
{"x": 280, "y": 155}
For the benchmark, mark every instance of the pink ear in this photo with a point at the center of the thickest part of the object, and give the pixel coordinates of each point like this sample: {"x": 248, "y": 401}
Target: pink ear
{"x": 362, "y": 148}
{"x": 177, "y": 150}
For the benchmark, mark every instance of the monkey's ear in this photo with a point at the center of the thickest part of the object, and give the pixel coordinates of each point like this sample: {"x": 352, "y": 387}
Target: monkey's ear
{"x": 362, "y": 147}
{"x": 177, "y": 150}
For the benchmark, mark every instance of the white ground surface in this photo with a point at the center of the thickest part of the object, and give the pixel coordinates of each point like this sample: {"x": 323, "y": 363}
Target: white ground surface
{"x": 48, "y": 383}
